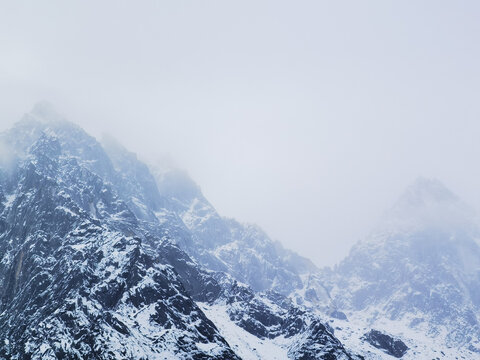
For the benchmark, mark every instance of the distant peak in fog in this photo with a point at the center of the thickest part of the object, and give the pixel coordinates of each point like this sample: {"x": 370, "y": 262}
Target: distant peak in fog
{"x": 425, "y": 191}
{"x": 427, "y": 204}
{"x": 45, "y": 112}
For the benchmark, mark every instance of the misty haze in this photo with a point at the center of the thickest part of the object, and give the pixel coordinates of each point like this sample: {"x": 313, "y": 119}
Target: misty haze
{"x": 251, "y": 180}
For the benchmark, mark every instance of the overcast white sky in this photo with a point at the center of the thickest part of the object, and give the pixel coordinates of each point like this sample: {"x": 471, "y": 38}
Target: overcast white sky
{"x": 306, "y": 117}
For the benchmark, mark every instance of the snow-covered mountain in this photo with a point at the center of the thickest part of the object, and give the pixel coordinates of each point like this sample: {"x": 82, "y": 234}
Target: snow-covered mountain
{"x": 100, "y": 259}
{"x": 78, "y": 278}
{"x": 416, "y": 276}
{"x": 106, "y": 257}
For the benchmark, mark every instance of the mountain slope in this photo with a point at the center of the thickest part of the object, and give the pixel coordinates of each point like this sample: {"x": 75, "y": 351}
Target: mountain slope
{"x": 243, "y": 250}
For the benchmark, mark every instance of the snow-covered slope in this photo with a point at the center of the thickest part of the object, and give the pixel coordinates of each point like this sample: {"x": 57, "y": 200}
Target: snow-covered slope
{"x": 269, "y": 326}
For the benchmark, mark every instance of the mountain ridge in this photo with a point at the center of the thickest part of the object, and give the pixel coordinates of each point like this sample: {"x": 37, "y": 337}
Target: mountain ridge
{"x": 93, "y": 266}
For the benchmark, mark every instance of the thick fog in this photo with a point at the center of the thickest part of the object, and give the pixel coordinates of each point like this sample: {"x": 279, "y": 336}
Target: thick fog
{"x": 308, "y": 118}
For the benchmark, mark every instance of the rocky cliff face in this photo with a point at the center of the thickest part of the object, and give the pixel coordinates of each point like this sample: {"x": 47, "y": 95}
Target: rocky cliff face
{"x": 78, "y": 277}
{"x": 101, "y": 259}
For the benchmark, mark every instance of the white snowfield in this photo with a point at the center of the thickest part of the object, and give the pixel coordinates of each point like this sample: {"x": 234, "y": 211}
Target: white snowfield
{"x": 421, "y": 346}
{"x": 246, "y": 345}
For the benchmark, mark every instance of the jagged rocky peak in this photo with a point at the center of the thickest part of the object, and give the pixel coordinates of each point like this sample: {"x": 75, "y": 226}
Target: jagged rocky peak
{"x": 44, "y": 122}
{"x": 78, "y": 278}
{"x": 121, "y": 260}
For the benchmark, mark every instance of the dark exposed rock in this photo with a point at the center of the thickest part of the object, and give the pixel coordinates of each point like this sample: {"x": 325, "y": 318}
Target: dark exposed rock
{"x": 387, "y": 343}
